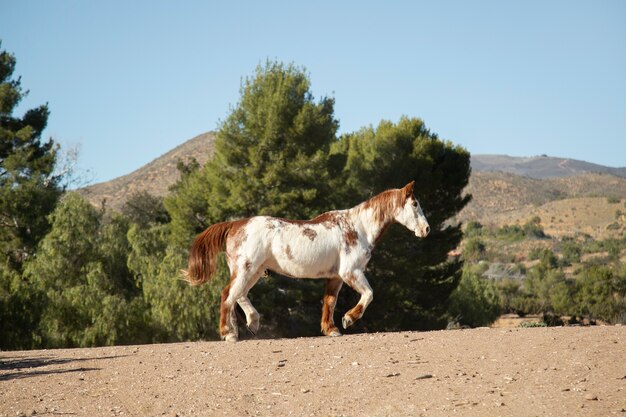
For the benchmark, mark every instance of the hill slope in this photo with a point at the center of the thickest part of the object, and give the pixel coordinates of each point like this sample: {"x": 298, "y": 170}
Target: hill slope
{"x": 155, "y": 177}
{"x": 570, "y": 371}
{"x": 505, "y": 188}
{"x": 540, "y": 166}
{"x": 565, "y": 205}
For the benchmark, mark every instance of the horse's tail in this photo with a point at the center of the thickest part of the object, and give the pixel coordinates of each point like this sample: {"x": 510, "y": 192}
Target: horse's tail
{"x": 204, "y": 251}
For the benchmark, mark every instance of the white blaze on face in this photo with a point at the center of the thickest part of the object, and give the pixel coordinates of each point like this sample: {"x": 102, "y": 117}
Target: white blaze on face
{"x": 412, "y": 217}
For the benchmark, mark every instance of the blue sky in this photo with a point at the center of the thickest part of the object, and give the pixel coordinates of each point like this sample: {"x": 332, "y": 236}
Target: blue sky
{"x": 129, "y": 80}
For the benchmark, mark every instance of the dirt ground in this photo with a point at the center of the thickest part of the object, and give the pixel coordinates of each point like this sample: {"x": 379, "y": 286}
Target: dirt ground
{"x": 568, "y": 371}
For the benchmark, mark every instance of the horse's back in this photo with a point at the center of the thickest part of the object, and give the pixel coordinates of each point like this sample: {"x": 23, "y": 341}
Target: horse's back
{"x": 302, "y": 249}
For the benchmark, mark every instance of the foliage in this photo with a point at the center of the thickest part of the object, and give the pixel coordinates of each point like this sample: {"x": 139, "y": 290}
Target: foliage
{"x": 530, "y": 324}
{"x": 29, "y": 190}
{"x": 75, "y": 276}
{"x": 28, "y": 187}
{"x": 415, "y": 273}
{"x": 144, "y": 209}
{"x": 533, "y": 229}
{"x": 474, "y": 249}
{"x": 271, "y": 157}
{"x": 91, "y": 298}
{"x": 277, "y": 154}
{"x": 475, "y": 301}
{"x": 602, "y": 293}
{"x": 473, "y": 228}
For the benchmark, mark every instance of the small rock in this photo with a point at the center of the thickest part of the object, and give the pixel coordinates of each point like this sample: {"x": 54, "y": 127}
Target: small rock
{"x": 425, "y": 376}
{"x": 304, "y": 390}
{"x": 591, "y": 397}
{"x": 392, "y": 374}
{"x": 355, "y": 364}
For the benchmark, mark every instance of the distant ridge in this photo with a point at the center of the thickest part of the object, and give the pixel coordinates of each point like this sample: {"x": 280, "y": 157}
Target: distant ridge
{"x": 155, "y": 177}
{"x": 505, "y": 189}
{"x": 540, "y": 166}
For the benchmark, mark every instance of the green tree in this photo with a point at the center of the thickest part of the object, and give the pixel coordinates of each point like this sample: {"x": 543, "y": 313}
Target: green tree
{"x": 29, "y": 191}
{"x": 475, "y": 301}
{"x": 474, "y": 249}
{"x": 91, "y": 298}
{"x": 277, "y": 154}
{"x": 28, "y": 187}
{"x": 271, "y": 157}
{"x": 144, "y": 209}
{"x": 177, "y": 311}
{"x": 602, "y": 293}
{"x": 413, "y": 276}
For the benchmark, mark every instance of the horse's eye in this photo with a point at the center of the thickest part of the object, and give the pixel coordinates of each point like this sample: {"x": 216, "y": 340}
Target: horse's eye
{"x": 414, "y": 204}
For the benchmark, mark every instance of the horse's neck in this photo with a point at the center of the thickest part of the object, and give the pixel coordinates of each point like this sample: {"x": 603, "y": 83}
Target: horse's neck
{"x": 366, "y": 222}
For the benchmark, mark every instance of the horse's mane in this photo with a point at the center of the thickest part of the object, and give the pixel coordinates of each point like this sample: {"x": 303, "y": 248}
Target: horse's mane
{"x": 384, "y": 204}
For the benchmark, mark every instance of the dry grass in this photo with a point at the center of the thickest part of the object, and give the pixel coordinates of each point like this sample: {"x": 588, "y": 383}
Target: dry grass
{"x": 566, "y": 206}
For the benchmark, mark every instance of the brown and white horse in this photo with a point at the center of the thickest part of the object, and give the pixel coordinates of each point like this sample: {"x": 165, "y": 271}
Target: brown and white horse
{"x": 336, "y": 245}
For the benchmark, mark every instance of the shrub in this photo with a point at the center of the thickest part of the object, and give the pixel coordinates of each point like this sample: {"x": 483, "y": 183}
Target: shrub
{"x": 528, "y": 324}
{"x": 533, "y": 229}
{"x": 473, "y": 228}
{"x": 475, "y": 301}
{"x": 474, "y": 249}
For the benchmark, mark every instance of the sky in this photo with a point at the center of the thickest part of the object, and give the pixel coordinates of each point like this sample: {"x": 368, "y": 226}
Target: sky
{"x": 126, "y": 81}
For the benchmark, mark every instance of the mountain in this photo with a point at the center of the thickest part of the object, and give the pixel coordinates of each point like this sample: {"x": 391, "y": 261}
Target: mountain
{"x": 586, "y": 203}
{"x": 539, "y": 166}
{"x": 568, "y": 195}
{"x": 155, "y": 177}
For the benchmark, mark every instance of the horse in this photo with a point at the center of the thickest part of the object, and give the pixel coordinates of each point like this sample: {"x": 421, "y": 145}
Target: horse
{"x": 335, "y": 246}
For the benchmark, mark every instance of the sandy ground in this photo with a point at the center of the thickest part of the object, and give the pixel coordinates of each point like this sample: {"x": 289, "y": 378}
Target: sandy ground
{"x": 571, "y": 371}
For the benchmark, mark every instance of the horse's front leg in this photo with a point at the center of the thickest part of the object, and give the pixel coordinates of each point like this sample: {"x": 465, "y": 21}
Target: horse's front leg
{"x": 333, "y": 285}
{"x": 356, "y": 279}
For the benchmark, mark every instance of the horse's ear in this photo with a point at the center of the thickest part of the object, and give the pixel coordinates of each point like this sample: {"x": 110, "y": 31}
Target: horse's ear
{"x": 408, "y": 189}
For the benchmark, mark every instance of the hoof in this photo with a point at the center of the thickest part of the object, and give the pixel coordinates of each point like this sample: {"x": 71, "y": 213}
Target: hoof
{"x": 231, "y": 338}
{"x": 253, "y": 328}
{"x": 347, "y": 321}
{"x": 335, "y": 333}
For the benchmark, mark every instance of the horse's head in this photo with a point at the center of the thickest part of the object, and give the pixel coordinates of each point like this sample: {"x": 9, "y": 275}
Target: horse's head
{"x": 410, "y": 215}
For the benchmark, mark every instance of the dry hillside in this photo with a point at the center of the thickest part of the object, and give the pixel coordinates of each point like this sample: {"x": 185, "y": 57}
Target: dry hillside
{"x": 572, "y": 199}
{"x": 155, "y": 177}
{"x": 565, "y": 205}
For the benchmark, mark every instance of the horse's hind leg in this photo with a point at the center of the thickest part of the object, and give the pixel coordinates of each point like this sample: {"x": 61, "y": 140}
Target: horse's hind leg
{"x": 240, "y": 284}
{"x": 333, "y": 285}
{"x": 356, "y": 279}
{"x": 252, "y": 316}
{"x": 228, "y": 319}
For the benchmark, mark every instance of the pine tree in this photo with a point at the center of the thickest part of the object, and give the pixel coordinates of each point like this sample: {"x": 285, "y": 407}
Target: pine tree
{"x": 271, "y": 158}
{"x": 28, "y": 188}
{"x": 412, "y": 278}
{"x": 29, "y": 191}
{"x": 91, "y": 297}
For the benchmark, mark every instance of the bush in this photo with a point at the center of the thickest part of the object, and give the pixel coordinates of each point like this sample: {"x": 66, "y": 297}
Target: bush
{"x": 533, "y": 228}
{"x": 473, "y": 228}
{"x": 529, "y": 324}
{"x": 475, "y": 301}
{"x": 601, "y": 293}
{"x": 571, "y": 252}
{"x": 510, "y": 233}
{"x": 474, "y": 249}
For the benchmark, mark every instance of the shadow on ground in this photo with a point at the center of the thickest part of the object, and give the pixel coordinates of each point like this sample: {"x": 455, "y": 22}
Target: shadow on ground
{"x": 19, "y": 367}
